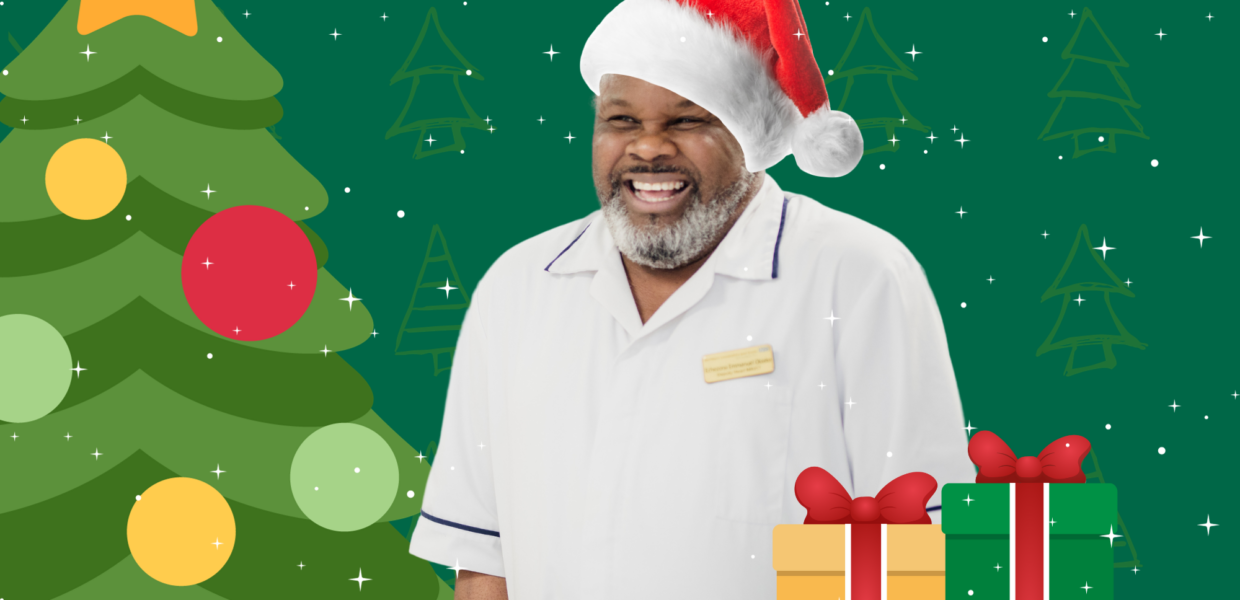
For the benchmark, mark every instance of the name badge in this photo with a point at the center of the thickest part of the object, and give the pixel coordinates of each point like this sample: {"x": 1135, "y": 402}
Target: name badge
{"x": 722, "y": 366}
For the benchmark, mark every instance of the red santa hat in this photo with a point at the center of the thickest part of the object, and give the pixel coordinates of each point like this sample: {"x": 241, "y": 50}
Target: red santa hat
{"x": 749, "y": 62}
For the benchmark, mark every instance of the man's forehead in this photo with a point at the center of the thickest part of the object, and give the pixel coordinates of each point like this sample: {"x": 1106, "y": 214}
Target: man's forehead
{"x": 618, "y": 101}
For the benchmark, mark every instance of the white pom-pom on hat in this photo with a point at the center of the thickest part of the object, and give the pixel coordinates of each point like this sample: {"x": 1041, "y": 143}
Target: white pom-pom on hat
{"x": 827, "y": 143}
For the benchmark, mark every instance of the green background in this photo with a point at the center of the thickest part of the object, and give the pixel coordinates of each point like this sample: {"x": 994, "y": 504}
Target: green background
{"x": 984, "y": 69}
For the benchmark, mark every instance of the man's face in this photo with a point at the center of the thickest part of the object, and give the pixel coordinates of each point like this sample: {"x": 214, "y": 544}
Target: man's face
{"x": 645, "y": 134}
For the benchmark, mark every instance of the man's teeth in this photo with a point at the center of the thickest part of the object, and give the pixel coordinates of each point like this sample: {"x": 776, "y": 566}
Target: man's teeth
{"x": 670, "y": 185}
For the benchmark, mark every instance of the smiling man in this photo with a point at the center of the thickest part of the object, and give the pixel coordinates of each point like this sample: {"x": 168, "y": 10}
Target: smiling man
{"x": 634, "y": 393}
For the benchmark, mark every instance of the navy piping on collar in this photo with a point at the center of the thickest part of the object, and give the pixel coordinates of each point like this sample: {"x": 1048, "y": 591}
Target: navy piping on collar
{"x": 934, "y": 508}
{"x": 570, "y": 245}
{"x": 775, "y": 261}
{"x": 458, "y": 525}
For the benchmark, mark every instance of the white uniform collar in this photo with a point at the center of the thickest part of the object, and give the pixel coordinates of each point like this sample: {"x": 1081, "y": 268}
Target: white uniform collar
{"x": 748, "y": 251}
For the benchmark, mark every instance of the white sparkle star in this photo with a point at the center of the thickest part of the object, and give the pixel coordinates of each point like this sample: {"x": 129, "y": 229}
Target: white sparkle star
{"x": 335, "y": 34}
{"x": 893, "y": 140}
{"x": 385, "y": 17}
{"x": 991, "y": 279}
{"x": 217, "y": 471}
{"x": 1174, "y": 406}
{"x": 1078, "y": 300}
{"x": 850, "y": 403}
{"x": 106, "y": 137}
{"x": 79, "y": 119}
{"x": 962, "y": 141}
{"x": 569, "y": 137}
{"x": 1160, "y": 34}
{"x": 430, "y": 139}
{"x": 14, "y": 436}
{"x": 931, "y": 137}
{"x": 290, "y": 286}
{"x": 481, "y": 445}
{"x": 457, "y": 568}
{"x": 1111, "y": 536}
{"x": 324, "y": 350}
{"x": 1086, "y": 587}
{"x": 540, "y": 119}
{"x": 903, "y": 119}
{"x": 97, "y": 454}
{"x": 968, "y": 500}
{"x": 821, "y": 385}
{"x": 217, "y": 543}
{"x": 914, "y": 52}
{"x": 969, "y": 428}
{"x": 447, "y": 288}
{"x": 832, "y": 318}
{"x": 79, "y": 369}
{"x": 359, "y": 579}
{"x": 1210, "y": 17}
{"x": 1208, "y": 525}
{"x": 954, "y": 130}
{"x": 997, "y": 567}
{"x": 209, "y": 263}
{"x": 351, "y": 299}
{"x": 208, "y": 191}
{"x": 961, "y": 212}
{"x": 552, "y": 52}
{"x": 847, "y": 17}
{"x": 1104, "y": 247}
{"x": 88, "y": 53}
{"x": 420, "y": 456}
{"x": 1044, "y": 234}
{"x": 67, "y": 436}
{"x": 1201, "y": 236}
{"x": 1072, "y": 14}
{"x": 798, "y": 34}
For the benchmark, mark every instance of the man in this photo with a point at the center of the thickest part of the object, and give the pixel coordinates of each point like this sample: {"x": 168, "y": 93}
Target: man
{"x": 584, "y": 455}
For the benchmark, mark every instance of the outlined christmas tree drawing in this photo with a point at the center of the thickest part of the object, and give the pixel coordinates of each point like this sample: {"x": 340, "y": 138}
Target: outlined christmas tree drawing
{"x": 1125, "y": 544}
{"x": 1113, "y": 286}
{"x": 437, "y": 308}
{"x": 869, "y": 77}
{"x": 184, "y": 417}
{"x": 1094, "y": 100}
{"x": 426, "y": 145}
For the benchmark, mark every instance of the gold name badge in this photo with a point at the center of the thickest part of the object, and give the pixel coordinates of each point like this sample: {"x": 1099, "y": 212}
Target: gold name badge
{"x": 722, "y": 366}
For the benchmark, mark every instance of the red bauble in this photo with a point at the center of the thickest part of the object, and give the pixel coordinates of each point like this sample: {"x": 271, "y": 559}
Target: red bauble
{"x": 254, "y": 253}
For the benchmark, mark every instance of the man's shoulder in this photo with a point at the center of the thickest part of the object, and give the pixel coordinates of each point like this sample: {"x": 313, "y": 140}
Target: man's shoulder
{"x": 841, "y": 240}
{"x": 536, "y": 252}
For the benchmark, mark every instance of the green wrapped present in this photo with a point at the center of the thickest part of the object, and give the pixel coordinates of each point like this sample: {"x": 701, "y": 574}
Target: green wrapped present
{"x": 1028, "y": 538}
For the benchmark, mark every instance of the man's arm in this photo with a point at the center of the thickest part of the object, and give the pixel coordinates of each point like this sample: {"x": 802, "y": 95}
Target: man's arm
{"x": 480, "y": 586}
{"x": 892, "y": 360}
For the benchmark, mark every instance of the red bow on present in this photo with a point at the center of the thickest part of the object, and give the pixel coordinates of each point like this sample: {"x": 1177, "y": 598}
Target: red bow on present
{"x": 903, "y": 501}
{"x": 1060, "y": 462}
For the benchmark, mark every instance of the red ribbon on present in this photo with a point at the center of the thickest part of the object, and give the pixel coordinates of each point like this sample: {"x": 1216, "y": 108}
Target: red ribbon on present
{"x": 1059, "y": 462}
{"x": 902, "y": 501}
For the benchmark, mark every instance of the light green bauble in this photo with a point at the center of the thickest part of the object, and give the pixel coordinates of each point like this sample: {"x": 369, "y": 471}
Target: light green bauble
{"x": 344, "y": 477}
{"x": 36, "y": 368}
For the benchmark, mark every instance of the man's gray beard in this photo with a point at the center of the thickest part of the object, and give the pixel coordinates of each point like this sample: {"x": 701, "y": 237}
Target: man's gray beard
{"x": 675, "y": 245}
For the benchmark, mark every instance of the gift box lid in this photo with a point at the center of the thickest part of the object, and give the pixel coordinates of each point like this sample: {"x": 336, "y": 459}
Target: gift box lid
{"x": 984, "y": 508}
{"x": 820, "y": 548}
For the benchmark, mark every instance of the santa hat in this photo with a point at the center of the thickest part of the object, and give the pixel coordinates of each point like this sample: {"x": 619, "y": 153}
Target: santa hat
{"x": 749, "y": 62}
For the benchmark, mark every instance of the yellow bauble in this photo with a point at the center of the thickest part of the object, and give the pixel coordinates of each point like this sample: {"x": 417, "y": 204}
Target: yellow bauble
{"x": 86, "y": 178}
{"x": 181, "y": 531}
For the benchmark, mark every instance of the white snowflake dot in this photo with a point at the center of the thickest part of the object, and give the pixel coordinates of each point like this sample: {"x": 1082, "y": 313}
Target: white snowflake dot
{"x": 830, "y": 72}
{"x": 1207, "y": 417}
{"x": 1108, "y": 425}
{"x": 1162, "y": 450}
{"x": 209, "y": 356}
{"x": 970, "y": 592}
{"x": 925, "y": 152}
{"x": 307, "y": 208}
{"x": 139, "y": 496}
{"x": 316, "y": 488}
{"x": 1100, "y": 138}
{"x": 882, "y": 167}
{"x": 753, "y": 556}
{"x": 749, "y": 338}
{"x": 128, "y": 217}
{"x": 6, "y": 71}
{"x": 219, "y": 39}
{"x": 1067, "y": 445}
{"x": 469, "y": 71}
{"x": 888, "y": 455}
{"x": 962, "y": 305}
{"x": 1154, "y": 163}
{"x": 346, "y": 190}
{"x": 357, "y": 470}
{"x": 682, "y": 39}
{"x": 409, "y": 493}
{"x": 462, "y": 152}
{"x": 400, "y": 214}
{"x": 1061, "y": 157}
{"x": 1044, "y": 39}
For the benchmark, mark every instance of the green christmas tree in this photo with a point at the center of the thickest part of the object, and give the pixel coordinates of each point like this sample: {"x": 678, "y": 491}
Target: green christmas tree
{"x": 426, "y": 146}
{"x": 150, "y": 449}
{"x": 435, "y": 315}
{"x": 875, "y": 84}
{"x": 1096, "y": 97}
{"x": 1086, "y": 291}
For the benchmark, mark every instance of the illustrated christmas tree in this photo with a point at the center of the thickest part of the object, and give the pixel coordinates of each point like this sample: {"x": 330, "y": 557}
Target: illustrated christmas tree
{"x": 1096, "y": 97}
{"x": 170, "y": 375}
{"x": 873, "y": 87}
{"x": 1085, "y": 291}
{"x": 1124, "y": 546}
{"x": 437, "y": 308}
{"x": 441, "y": 98}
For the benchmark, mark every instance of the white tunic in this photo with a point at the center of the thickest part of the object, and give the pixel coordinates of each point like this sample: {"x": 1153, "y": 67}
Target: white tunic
{"x": 583, "y": 456}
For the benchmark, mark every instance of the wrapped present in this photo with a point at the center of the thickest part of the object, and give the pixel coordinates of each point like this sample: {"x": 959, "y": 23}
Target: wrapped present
{"x": 864, "y": 549}
{"x": 1030, "y": 528}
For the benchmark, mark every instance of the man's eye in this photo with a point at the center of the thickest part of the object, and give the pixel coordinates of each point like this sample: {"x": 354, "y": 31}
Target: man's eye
{"x": 686, "y": 119}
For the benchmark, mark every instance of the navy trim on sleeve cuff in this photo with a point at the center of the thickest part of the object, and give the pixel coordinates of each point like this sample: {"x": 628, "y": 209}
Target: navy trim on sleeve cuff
{"x": 458, "y": 525}
{"x": 775, "y": 259}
